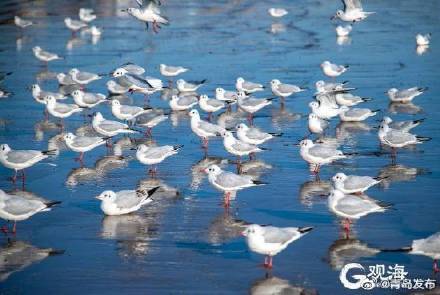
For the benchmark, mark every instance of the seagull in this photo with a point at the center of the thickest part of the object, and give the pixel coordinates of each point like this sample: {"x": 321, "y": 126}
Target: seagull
{"x": 152, "y": 155}
{"x": 277, "y": 12}
{"x": 86, "y": 15}
{"x": 252, "y": 135}
{"x": 317, "y": 154}
{"x": 252, "y": 105}
{"x": 182, "y": 103}
{"x": 429, "y": 246}
{"x": 398, "y": 139}
{"x": 284, "y": 90}
{"x": 404, "y": 126}
{"x": 171, "y": 71}
{"x": 238, "y": 147}
{"x": 148, "y": 12}
{"x": 353, "y": 11}
{"x": 333, "y": 70}
{"x": 271, "y": 240}
{"x": 38, "y": 94}
{"x": 4, "y": 93}
{"x": 329, "y": 87}
{"x": 150, "y": 119}
{"x": 82, "y": 144}
{"x": 343, "y": 31}
{"x": 189, "y": 86}
{"x": 210, "y": 105}
{"x": 18, "y": 208}
{"x": 405, "y": 95}
{"x": 353, "y": 184}
{"x": 45, "y": 56}
{"x": 229, "y": 182}
{"x": 423, "y": 40}
{"x": 115, "y": 88}
{"x": 316, "y": 124}
{"x": 353, "y": 206}
{"x": 21, "y": 22}
{"x": 88, "y": 99}
{"x": 247, "y": 86}
{"x": 60, "y": 110}
{"x": 356, "y": 114}
{"x": 65, "y": 80}
{"x": 349, "y": 100}
{"x": 323, "y": 111}
{"x": 221, "y": 94}
{"x": 21, "y": 159}
{"x": 136, "y": 82}
{"x": 83, "y": 78}
{"x": 132, "y": 68}
{"x": 109, "y": 128}
{"x": 126, "y": 201}
{"x": 204, "y": 129}
{"x": 127, "y": 112}
{"x": 74, "y": 25}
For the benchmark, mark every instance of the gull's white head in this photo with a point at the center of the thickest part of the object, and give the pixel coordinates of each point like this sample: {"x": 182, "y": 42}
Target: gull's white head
{"x": 50, "y": 100}
{"x": 142, "y": 148}
{"x": 242, "y": 127}
{"x": 107, "y": 196}
{"x": 180, "y": 82}
{"x": 119, "y": 72}
{"x": 314, "y": 105}
{"x": 227, "y": 135}
{"x": 36, "y": 49}
{"x": 275, "y": 82}
{"x": 219, "y": 90}
{"x": 98, "y": 117}
{"x": 77, "y": 93}
{"x": 252, "y": 230}
{"x": 240, "y": 80}
{"x": 35, "y": 88}
{"x": 203, "y": 97}
{"x": 69, "y": 137}
{"x": 4, "y": 149}
{"x": 325, "y": 63}
{"x": 339, "y": 177}
{"x": 174, "y": 98}
{"x": 116, "y": 103}
{"x": 306, "y": 144}
{"x": 73, "y": 71}
{"x": 392, "y": 91}
{"x": 241, "y": 94}
{"x": 194, "y": 113}
{"x": 383, "y": 129}
{"x": 213, "y": 170}
{"x": 319, "y": 84}
{"x": 386, "y": 120}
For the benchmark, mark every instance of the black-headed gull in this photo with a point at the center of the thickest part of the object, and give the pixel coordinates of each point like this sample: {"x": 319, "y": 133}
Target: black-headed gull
{"x": 204, "y": 129}
{"x": 349, "y": 100}
{"x": 21, "y": 22}
{"x": 277, "y": 12}
{"x": 247, "y": 86}
{"x": 88, "y": 99}
{"x": 152, "y": 155}
{"x": 271, "y": 240}
{"x": 74, "y": 25}
{"x": 126, "y": 201}
{"x": 82, "y": 144}
{"x": 351, "y": 207}
{"x": 317, "y": 154}
{"x": 356, "y": 114}
{"x": 127, "y": 112}
{"x": 238, "y": 147}
{"x": 253, "y": 135}
{"x": 284, "y": 90}
{"x": 109, "y": 128}
{"x": 229, "y": 182}
{"x": 45, "y": 56}
{"x": 333, "y": 70}
{"x": 405, "y": 126}
{"x": 353, "y": 11}
{"x": 423, "y": 40}
{"x": 189, "y": 86}
{"x": 16, "y": 207}
{"x": 83, "y": 78}
{"x": 148, "y": 12}
{"x": 405, "y": 95}
{"x": 354, "y": 184}
{"x": 21, "y": 159}
{"x": 171, "y": 71}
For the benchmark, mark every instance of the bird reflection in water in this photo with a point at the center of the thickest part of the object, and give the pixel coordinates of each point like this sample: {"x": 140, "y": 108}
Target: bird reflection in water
{"x": 274, "y": 285}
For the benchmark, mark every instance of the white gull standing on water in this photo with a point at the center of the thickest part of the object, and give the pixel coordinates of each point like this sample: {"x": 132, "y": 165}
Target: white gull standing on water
{"x": 354, "y": 184}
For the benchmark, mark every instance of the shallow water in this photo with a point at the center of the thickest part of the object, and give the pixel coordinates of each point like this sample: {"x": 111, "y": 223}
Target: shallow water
{"x": 186, "y": 242}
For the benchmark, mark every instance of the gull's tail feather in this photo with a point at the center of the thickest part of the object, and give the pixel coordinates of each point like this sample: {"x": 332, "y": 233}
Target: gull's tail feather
{"x": 385, "y": 205}
{"x": 279, "y": 134}
{"x": 259, "y": 182}
{"x": 56, "y": 252}
{"x": 423, "y": 89}
{"x": 419, "y": 121}
{"x": 306, "y": 229}
{"x": 423, "y": 138}
{"x": 403, "y": 249}
{"x": 49, "y": 152}
{"x": 177, "y": 147}
{"x": 52, "y": 203}
{"x": 365, "y": 99}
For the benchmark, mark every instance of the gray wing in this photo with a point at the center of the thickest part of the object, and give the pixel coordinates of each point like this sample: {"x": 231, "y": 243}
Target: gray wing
{"x": 47, "y": 54}
{"x": 251, "y": 85}
{"x": 355, "y": 182}
{"x": 320, "y": 151}
{"x": 408, "y": 92}
{"x": 22, "y": 156}
{"x": 287, "y": 88}
{"x": 352, "y": 4}
{"x": 158, "y": 152}
{"x": 138, "y": 81}
{"x": 91, "y": 98}
{"x": 215, "y": 103}
{"x": 127, "y": 199}
{"x": 209, "y": 127}
{"x": 243, "y": 146}
{"x": 355, "y": 113}
{"x": 354, "y": 205}
{"x": 187, "y": 100}
{"x": 231, "y": 180}
{"x": 397, "y": 137}
{"x": 133, "y": 68}
{"x": 65, "y": 108}
{"x": 18, "y": 206}
{"x": 85, "y": 141}
{"x": 252, "y": 102}
{"x": 86, "y": 76}
{"x": 132, "y": 110}
{"x": 112, "y": 125}
{"x": 254, "y": 133}
{"x": 279, "y": 235}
